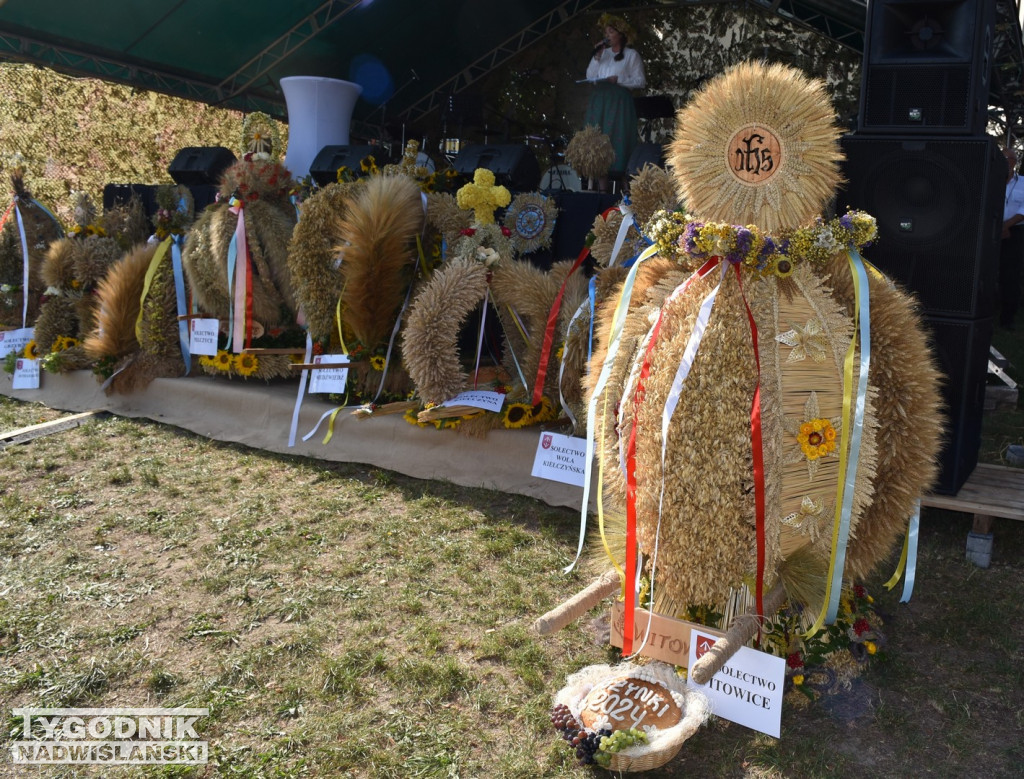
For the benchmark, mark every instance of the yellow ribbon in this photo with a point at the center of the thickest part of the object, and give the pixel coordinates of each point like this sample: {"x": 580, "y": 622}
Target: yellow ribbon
{"x": 334, "y": 415}
{"x": 600, "y": 494}
{"x": 902, "y": 564}
{"x": 843, "y": 453}
{"x": 158, "y": 256}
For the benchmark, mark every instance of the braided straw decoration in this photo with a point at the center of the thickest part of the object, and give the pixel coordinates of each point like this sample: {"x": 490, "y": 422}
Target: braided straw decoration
{"x": 579, "y": 604}
{"x": 743, "y": 630}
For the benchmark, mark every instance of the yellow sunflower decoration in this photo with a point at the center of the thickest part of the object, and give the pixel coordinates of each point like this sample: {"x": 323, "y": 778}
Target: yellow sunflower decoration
{"x": 223, "y": 361}
{"x": 245, "y": 364}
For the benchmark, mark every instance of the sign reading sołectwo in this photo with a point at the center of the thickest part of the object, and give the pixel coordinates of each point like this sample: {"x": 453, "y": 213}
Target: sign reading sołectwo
{"x": 748, "y": 689}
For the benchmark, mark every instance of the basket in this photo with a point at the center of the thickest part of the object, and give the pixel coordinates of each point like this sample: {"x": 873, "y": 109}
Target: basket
{"x": 664, "y": 743}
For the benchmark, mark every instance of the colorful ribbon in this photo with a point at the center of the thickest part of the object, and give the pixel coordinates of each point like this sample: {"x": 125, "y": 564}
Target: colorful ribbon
{"x": 549, "y": 330}
{"x": 908, "y": 557}
{"x": 239, "y": 283}
{"x": 615, "y": 335}
{"x": 757, "y": 453}
{"x": 24, "y": 265}
{"x": 849, "y": 455}
{"x": 182, "y": 301}
{"x": 154, "y": 264}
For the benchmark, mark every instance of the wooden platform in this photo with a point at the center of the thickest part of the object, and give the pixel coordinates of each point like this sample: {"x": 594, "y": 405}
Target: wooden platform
{"x": 991, "y": 490}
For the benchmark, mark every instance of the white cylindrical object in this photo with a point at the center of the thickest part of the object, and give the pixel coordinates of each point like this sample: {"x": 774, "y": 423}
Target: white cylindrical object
{"x": 319, "y": 114}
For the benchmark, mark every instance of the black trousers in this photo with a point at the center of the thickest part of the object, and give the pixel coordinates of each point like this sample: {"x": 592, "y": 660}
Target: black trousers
{"x": 1011, "y": 260}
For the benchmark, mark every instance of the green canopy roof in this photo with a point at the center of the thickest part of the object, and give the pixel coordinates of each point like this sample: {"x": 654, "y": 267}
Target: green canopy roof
{"x": 409, "y": 55}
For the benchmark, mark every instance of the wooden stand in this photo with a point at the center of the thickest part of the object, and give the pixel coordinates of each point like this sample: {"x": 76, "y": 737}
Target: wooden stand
{"x": 991, "y": 491}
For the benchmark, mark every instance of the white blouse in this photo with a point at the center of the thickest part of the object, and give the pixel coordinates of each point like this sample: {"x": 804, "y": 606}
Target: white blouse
{"x": 629, "y": 70}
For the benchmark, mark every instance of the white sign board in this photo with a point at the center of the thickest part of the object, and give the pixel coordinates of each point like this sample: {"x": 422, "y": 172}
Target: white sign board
{"x": 26, "y": 374}
{"x": 15, "y": 340}
{"x": 329, "y": 379}
{"x": 560, "y": 458}
{"x": 748, "y": 689}
{"x": 488, "y": 401}
{"x": 202, "y": 336}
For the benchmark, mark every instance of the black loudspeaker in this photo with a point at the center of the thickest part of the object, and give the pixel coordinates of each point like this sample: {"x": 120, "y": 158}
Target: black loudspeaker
{"x": 643, "y": 154}
{"x": 576, "y": 213}
{"x": 939, "y": 206}
{"x": 325, "y": 166}
{"x": 961, "y": 348}
{"x": 200, "y": 165}
{"x": 121, "y": 194}
{"x": 927, "y": 66}
{"x": 514, "y": 165}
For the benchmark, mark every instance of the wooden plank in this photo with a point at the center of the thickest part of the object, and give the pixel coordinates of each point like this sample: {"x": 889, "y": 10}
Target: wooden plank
{"x": 991, "y": 490}
{"x": 23, "y": 434}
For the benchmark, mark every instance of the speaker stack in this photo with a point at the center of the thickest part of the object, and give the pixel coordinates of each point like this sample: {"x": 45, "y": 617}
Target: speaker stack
{"x": 199, "y": 168}
{"x": 514, "y": 165}
{"x": 921, "y": 164}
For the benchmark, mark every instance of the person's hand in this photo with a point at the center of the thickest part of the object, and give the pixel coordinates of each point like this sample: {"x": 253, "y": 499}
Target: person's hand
{"x": 613, "y": 79}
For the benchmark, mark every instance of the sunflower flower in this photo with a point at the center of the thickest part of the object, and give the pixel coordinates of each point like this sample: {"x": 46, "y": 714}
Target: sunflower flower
{"x": 223, "y": 361}
{"x": 517, "y": 415}
{"x": 377, "y": 362}
{"x": 245, "y": 364}
{"x": 31, "y": 350}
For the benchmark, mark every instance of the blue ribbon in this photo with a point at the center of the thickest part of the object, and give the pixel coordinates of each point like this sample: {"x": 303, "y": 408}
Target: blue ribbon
{"x": 232, "y": 259}
{"x": 56, "y": 221}
{"x": 179, "y": 290}
{"x": 912, "y": 534}
{"x": 592, "y": 294}
{"x": 856, "y": 432}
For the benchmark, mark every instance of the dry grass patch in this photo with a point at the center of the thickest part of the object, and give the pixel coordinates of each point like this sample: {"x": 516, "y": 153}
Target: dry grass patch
{"x": 339, "y": 620}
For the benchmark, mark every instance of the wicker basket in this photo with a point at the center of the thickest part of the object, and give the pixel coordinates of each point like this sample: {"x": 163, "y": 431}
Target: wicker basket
{"x": 665, "y": 744}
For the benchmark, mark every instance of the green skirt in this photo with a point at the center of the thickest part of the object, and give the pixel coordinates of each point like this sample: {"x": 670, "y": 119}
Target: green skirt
{"x": 612, "y": 109}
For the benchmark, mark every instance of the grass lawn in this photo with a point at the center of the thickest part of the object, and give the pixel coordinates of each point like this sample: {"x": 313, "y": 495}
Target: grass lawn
{"x": 339, "y": 620}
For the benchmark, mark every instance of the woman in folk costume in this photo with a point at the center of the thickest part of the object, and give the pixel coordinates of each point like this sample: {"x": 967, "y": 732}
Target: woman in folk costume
{"x": 615, "y": 69}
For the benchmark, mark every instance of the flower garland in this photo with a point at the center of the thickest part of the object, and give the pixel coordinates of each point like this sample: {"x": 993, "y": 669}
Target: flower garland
{"x": 691, "y": 242}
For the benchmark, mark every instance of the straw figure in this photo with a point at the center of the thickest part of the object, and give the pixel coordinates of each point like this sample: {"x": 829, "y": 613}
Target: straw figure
{"x": 590, "y": 154}
{"x": 247, "y": 233}
{"x": 789, "y": 275}
{"x": 41, "y": 229}
{"x": 482, "y": 269}
{"x": 377, "y": 263}
{"x": 138, "y": 336}
{"x": 72, "y": 269}
{"x": 763, "y": 402}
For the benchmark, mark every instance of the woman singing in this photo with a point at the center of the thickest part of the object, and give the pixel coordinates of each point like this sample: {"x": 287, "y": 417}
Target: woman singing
{"x": 616, "y": 69}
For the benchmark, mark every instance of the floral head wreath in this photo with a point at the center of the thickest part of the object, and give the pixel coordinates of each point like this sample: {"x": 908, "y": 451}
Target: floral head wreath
{"x": 617, "y": 22}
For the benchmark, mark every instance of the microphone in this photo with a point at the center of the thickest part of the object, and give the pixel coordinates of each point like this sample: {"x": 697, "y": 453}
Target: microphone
{"x": 602, "y": 45}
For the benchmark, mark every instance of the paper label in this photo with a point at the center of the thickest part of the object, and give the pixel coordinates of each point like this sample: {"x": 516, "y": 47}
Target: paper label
{"x": 26, "y": 374}
{"x": 488, "y": 401}
{"x": 202, "y": 336}
{"x": 15, "y": 340}
{"x": 748, "y": 689}
{"x": 560, "y": 458}
{"x": 329, "y": 379}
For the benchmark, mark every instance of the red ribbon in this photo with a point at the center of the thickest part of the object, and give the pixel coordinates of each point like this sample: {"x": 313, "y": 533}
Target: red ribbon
{"x": 248, "y": 296}
{"x": 549, "y": 330}
{"x": 638, "y": 399}
{"x": 757, "y": 450}
{"x": 7, "y": 213}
